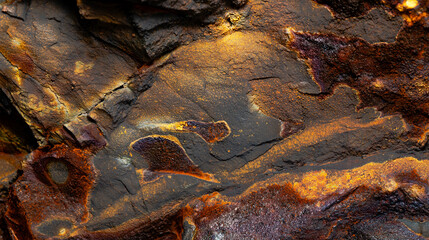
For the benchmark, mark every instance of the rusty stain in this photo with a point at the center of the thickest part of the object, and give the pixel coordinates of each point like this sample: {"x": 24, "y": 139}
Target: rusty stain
{"x": 290, "y": 127}
{"x": 301, "y": 206}
{"x": 211, "y": 132}
{"x": 50, "y": 199}
{"x": 291, "y": 205}
{"x": 411, "y": 10}
{"x": 313, "y": 205}
{"x": 165, "y": 154}
{"x": 23, "y": 61}
{"x": 389, "y": 77}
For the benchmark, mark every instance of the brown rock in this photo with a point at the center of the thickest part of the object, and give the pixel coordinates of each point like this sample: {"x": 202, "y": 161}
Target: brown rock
{"x": 227, "y": 119}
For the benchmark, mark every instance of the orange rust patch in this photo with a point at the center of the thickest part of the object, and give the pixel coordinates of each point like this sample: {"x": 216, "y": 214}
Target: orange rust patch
{"x": 22, "y": 61}
{"x": 390, "y": 77}
{"x": 404, "y": 173}
{"x": 211, "y": 132}
{"x": 411, "y": 10}
{"x": 389, "y": 176}
{"x": 17, "y": 53}
{"x": 14, "y": 159}
{"x": 317, "y": 204}
{"x": 206, "y": 208}
{"x": 37, "y": 197}
{"x": 166, "y": 154}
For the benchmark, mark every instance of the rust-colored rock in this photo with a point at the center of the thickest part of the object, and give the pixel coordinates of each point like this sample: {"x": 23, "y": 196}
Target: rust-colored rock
{"x": 390, "y": 77}
{"x": 225, "y": 119}
{"x": 166, "y": 154}
{"x": 50, "y": 198}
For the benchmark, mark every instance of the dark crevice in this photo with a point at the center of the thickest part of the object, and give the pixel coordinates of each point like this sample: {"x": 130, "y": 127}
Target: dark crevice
{"x": 15, "y": 135}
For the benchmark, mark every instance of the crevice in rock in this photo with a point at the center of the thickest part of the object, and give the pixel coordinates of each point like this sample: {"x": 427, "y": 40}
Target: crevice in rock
{"x": 15, "y": 135}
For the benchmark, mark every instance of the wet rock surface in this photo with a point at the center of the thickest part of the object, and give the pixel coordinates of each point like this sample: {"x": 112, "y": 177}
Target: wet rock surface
{"x": 227, "y": 119}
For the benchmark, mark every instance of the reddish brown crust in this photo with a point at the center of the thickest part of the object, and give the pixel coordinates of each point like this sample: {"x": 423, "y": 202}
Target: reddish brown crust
{"x": 49, "y": 199}
{"x": 165, "y": 154}
{"x": 211, "y": 132}
{"x": 389, "y": 77}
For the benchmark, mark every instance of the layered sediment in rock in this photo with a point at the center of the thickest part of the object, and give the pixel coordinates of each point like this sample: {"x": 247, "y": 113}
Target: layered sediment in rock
{"x": 218, "y": 119}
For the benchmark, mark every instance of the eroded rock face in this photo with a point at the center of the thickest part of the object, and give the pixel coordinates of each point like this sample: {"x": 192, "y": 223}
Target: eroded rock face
{"x": 52, "y": 193}
{"x": 224, "y": 119}
{"x": 392, "y": 80}
{"x": 320, "y": 204}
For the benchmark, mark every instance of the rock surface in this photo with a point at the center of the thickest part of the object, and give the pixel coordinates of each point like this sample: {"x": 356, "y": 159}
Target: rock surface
{"x": 226, "y": 119}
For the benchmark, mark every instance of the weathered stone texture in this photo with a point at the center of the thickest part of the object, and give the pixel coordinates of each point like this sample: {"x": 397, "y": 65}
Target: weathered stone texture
{"x": 226, "y": 119}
